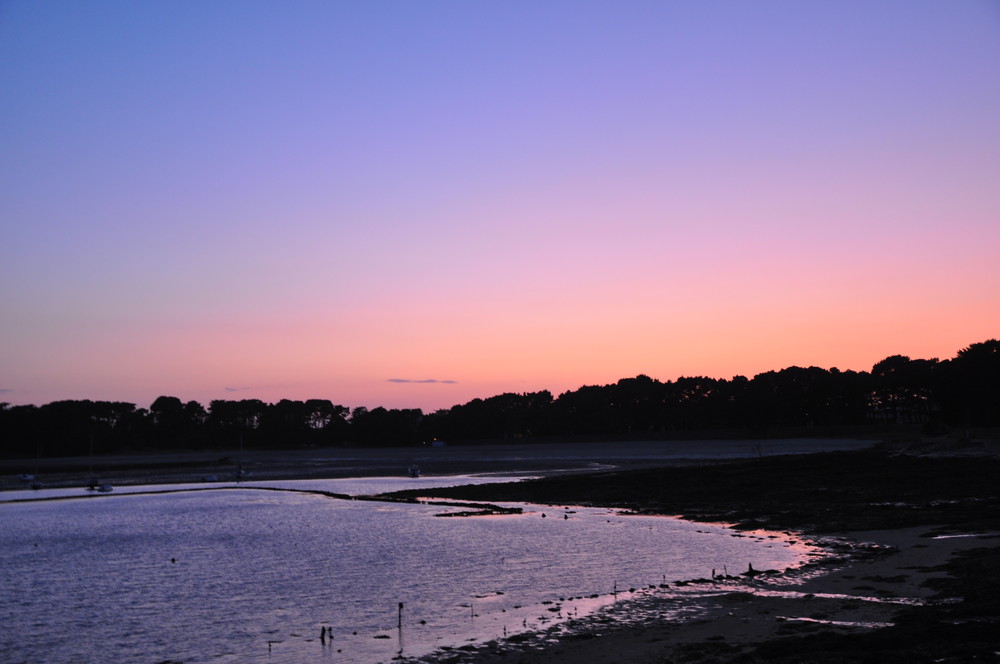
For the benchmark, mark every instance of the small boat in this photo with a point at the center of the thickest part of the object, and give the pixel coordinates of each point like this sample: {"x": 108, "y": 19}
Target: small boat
{"x": 413, "y": 471}
{"x": 94, "y": 484}
{"x": 31, "y": 481}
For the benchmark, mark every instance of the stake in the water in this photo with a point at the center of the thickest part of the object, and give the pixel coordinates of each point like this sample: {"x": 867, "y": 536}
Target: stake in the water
{"x": 399, "y": 624}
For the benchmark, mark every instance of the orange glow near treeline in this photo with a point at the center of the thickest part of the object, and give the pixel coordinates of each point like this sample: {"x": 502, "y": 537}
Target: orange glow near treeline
{"x": 416, "y": 218}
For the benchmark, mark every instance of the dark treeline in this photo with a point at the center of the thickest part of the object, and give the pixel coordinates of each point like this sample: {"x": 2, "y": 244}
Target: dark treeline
{"x": 934, "y": 395}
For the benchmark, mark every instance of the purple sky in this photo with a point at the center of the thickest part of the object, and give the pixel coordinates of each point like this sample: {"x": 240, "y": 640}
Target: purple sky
{"x": 413, "y": 204}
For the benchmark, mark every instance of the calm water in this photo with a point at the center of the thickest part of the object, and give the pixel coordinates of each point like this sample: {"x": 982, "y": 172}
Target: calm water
{"x": 242, "y": 575}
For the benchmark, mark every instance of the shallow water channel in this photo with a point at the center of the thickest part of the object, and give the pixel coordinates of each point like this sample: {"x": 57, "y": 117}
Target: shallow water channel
{"x": 243, "y": 575}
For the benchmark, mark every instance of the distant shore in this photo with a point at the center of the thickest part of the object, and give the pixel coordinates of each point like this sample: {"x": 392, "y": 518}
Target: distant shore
{"x": 513, "y": 458}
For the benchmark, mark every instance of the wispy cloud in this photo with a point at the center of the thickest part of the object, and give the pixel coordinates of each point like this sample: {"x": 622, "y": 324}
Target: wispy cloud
{"x": 237, "y": 389}
{"x": 426, "y": 380}
{"x": 4, "y": 390}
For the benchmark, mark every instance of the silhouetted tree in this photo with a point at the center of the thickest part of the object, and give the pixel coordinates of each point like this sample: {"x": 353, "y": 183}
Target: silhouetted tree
{"x": 329, "y": 420}
{"x": 902, "y": 390}
{"x": 637, "y": 404}
{"x": 585, "y": 410}
{"x": 178, "y": 425}
{"x": 693, "y": 402}
{"x": 302, "y": 423}
{"x": 972, "y": 383}
{"x": 20, "y": 437}
{"x": 67, "y": 427}
{"x": 507, "y": 415}
{"x": 235, "y": 422}
{"x": 117, "y": 427}
{"x": 800, "y": 397}
{"x": 379, "y": 427}
{"x": 963, "y": 391}
{"x": 847, "y": 402}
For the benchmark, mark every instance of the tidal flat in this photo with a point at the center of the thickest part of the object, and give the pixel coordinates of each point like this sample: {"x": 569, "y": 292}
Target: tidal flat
{"x": 910, "y": 533}
{"x": 913, "y": 576}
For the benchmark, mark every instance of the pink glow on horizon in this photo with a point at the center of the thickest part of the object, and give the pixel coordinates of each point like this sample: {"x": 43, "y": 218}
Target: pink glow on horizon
{"x": 327, "y": 197}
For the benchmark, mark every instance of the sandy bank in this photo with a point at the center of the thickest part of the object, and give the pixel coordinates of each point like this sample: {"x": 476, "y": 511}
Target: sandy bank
{"x": 337, "y": 462}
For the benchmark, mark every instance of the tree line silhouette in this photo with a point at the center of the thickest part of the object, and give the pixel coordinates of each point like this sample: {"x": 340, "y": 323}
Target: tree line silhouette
{"x": 933, "y": 395}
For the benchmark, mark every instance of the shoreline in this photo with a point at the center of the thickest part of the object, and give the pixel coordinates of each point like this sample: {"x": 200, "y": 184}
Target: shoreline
{"x": 893, "y": 586}
{"x": 538, "y": 458}
{"x": 867, "y": 580}
{"x": 915, "y": 578}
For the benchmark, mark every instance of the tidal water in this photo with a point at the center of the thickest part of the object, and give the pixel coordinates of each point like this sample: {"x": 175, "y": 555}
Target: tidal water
{"x": 244, "y": 575}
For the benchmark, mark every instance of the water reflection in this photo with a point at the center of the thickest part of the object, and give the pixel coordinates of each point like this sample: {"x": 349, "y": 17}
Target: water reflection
{"x": 243, "y": 575}
{"x": 355, "y": 486}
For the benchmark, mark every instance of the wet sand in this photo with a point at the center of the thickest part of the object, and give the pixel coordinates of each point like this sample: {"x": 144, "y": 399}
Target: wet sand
{"x": 868, "y": 588}
{"x": 903, "y": 583}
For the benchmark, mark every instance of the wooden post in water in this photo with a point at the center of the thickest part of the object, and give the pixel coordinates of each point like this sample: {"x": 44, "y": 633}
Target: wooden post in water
{"x": 399, "y": 626}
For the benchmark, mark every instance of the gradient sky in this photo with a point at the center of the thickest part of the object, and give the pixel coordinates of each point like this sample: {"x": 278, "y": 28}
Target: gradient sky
{"x": 416, "y": 203}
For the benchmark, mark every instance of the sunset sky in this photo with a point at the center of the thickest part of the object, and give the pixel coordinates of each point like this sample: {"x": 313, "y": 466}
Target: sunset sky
{"x": 416, "y": 203}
